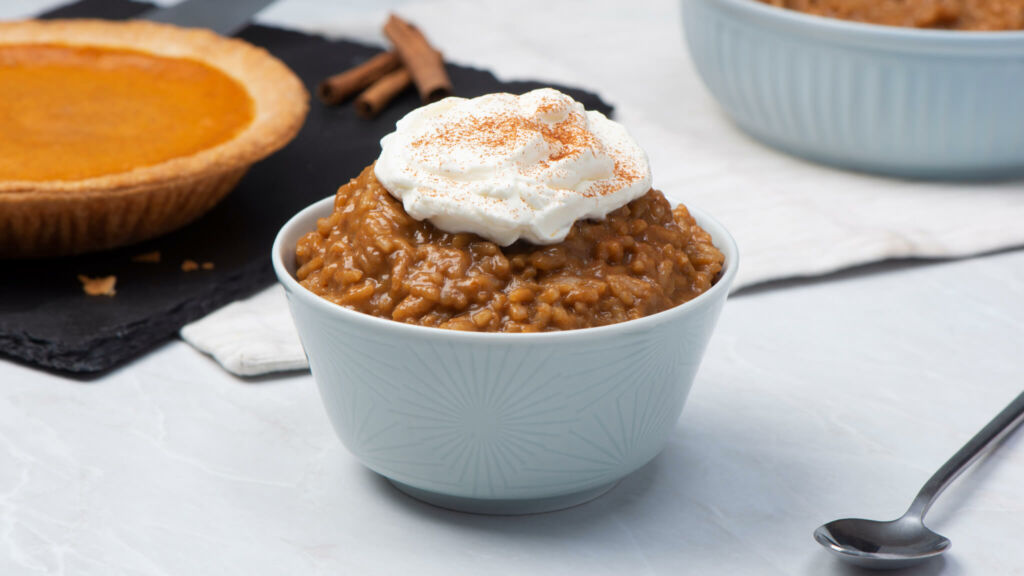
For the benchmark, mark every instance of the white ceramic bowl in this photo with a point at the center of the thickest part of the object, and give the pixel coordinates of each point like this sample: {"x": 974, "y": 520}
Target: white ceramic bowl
{"x": 501, "y": 423}
{"x": 902, "y": 101}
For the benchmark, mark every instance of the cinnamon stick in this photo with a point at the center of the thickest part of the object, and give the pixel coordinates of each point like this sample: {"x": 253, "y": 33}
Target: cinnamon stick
{"x": 423, "y": 62}
{"x": 340, "y": 87}
{"x": 375, "y": 98}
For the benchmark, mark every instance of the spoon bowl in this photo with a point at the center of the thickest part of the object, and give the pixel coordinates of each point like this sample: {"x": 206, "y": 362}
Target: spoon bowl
{"x": 881, "y": 545}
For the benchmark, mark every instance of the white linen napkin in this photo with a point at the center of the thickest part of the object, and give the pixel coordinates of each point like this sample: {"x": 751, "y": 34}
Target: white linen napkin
{"x": 250, "y": 337}
{"x": 790, "y": 217}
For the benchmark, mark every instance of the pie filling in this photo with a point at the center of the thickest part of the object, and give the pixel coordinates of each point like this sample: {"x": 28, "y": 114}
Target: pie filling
{"x": 77, "y": 112}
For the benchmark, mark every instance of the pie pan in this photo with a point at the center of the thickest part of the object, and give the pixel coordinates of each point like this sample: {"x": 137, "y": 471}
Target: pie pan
{"x": 901, "y": 101}
{"x": 60, "y": 217}
{"x": 496, "y": 422}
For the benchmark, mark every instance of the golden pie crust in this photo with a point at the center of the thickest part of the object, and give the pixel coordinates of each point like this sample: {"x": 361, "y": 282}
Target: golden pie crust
{"x": 60, "y": 217}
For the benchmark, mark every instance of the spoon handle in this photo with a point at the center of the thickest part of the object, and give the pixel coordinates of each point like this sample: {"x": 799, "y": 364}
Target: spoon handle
{"x": 994, "y": 431}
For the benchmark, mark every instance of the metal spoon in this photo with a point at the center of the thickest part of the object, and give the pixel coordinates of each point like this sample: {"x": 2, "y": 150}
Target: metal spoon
{"x": 906, "y": 540}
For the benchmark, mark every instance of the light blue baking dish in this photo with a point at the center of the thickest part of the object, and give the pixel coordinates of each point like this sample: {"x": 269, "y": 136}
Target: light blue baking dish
{"x": 898, "y": 101}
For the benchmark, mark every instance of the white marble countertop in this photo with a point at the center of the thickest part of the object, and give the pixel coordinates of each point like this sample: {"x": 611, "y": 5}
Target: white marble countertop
{"x": 816, "y": 400}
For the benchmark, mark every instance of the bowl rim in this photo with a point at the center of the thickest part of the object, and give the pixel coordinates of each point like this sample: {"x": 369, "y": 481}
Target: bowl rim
{"x": 879, "y": 31}
{"x": 723, "y": 241}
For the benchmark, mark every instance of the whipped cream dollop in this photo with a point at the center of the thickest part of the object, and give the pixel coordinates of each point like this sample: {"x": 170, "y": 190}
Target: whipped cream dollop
{"x": 511, "y": 167}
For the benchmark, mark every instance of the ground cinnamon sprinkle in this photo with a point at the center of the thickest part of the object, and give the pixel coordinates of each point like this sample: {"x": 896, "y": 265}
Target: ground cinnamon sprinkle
{"x": 568, "y": 138}
{"x": 482, "y": 132}
{"x": 622, "y": 175}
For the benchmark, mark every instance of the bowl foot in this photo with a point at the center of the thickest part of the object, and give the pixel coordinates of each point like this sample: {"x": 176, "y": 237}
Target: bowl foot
{"x": 509, "y": 507}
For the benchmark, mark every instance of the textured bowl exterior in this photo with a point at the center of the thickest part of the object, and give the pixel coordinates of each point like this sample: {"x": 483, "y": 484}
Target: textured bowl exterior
{"x": 908, "y": 102}
{"x": 501, "y": 417}
{"x": 58, "y": 225}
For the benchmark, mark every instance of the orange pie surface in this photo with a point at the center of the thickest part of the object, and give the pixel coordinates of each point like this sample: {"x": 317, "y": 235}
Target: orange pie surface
{"x": 72, "y": 112}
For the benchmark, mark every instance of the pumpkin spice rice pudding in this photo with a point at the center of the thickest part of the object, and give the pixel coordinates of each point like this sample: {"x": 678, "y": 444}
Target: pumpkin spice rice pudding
{"x": 944, "y": 14}
{"x": 507, "y": 214}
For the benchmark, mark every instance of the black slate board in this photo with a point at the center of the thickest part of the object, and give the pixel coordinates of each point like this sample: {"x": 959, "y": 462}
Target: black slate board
{"x": 46, "y": 319}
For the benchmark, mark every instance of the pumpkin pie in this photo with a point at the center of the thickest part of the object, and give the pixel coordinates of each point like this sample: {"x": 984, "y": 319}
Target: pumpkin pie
{"x": 114, "y": 132}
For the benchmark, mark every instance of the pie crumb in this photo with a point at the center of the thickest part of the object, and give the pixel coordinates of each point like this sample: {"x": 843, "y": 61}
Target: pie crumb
{"x": 189, "y": 266}
{"x": 102, "y": 286}
{"x": 148, "y": 257}
{"x": 207, "y": 266}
